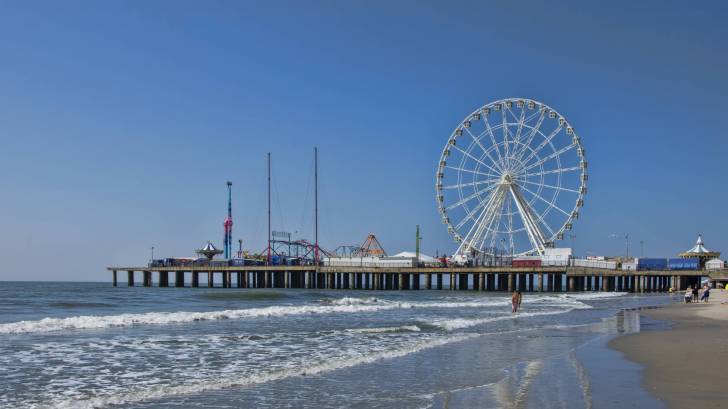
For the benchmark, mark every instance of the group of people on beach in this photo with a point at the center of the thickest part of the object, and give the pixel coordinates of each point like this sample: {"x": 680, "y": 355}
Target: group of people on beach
{"x": 694, "y": 294}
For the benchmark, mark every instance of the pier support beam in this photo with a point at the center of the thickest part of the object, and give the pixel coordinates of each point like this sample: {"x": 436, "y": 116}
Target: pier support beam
{"x": 210, "y": 280}
{"x": 490, "y": 282}
{"x": 539, "y": 282}
{"x": 428, "y": 281}
{"x": 179, "y": 278}
{"x": 481, "y": 282}
{"x": 113, "y": 278}
{"x": 522, "y": 282}
{"x": 572, "y": 284}
{"x": 439, "y": 281}
{"x": 511, "y": 284}
{"x": 130, "y": 278}
{"x": 195, "y": 279}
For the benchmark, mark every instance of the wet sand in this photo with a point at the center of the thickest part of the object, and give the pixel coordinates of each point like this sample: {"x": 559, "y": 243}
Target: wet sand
{"x": 687, "y": 365}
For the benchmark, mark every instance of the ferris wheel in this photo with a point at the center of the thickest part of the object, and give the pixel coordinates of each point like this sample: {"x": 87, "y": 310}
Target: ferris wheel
{"x": 511, "y": 179}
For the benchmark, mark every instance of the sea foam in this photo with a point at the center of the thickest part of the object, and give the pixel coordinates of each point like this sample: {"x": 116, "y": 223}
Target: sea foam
{"x": 182, "y": 317}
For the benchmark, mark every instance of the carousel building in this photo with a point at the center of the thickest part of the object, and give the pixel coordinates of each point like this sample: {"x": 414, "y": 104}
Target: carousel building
{"x": 700, "y": 252}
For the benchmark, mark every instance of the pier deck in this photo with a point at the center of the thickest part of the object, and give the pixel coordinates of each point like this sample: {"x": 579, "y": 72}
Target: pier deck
{"x": 498, "y": 278}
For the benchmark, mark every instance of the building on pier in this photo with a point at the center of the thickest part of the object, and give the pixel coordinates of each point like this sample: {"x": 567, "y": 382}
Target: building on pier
{"x": 700, "y": 252}
{"x": 209, "y": 251}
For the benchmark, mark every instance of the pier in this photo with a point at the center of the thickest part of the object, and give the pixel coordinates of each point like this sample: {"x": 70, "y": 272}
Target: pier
{"x": 525, "y": 279}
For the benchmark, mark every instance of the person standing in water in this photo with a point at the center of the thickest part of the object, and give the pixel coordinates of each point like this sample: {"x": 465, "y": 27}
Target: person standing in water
{"x": 516, "y": 299}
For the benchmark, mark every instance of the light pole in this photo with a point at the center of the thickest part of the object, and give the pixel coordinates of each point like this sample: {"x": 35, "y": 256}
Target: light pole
{"x": 152, "y": 254}
{"x": 573, "y": 240}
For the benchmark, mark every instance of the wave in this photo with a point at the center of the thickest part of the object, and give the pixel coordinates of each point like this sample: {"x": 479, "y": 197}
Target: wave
{"x": 341, "y": 305}
{"x": 182, "y": 317}
{"x": 452, "y": 324}
{"x": 401, "y": 328}
{"x": 241, "y": 380}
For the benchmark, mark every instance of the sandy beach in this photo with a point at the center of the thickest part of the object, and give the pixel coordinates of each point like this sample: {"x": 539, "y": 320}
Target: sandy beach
{"x": 687, "y": 365}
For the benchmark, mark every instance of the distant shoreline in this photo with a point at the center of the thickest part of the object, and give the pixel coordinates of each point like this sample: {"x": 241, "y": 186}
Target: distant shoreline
{"x": 685, "y": 366}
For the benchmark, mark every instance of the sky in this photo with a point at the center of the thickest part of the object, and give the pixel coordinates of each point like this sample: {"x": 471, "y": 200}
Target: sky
{"x": 121, "y": 121}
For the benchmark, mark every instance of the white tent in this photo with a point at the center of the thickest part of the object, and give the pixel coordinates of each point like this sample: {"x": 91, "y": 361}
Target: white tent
{"x": 424, "y": 258}
{"x": 715, "y": 264}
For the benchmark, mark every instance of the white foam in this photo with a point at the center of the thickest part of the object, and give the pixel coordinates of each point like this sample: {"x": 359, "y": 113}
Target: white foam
{"x": 460, "y": 323}
{"x": 401, "y": 328}
{"x": 162, "y": 391}
{"x": 182, "y": 317}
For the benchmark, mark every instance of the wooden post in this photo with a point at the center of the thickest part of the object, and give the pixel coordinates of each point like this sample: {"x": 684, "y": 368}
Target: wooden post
{"x": 481, "y": 282}
{"x": 463, "y": 281}
{"x": 113, "y": 278}
{"x": 130, "y": 278}
{"x": 210, "y": 279}
{"x": 511, "y": 284}
{"x": 439, "y": 281}
{"x": 539, "y": 282}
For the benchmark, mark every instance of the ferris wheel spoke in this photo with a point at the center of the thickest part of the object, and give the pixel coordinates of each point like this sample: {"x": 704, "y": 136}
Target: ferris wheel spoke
{"x": 551, "y": 156}
{"x": 519, "y": 129}
{"x": 474, "y": 158}
{"x": 563, "y": 189}
{"x": 545, "y": 142}
{"x": 461, "y": 185}
{"x": 475, "y": 209}
{"x": 492, "y": 213}
{"x": 485, "y": 151}
{"x": 547, "y": 172}
{"x": 506, "y": 148}
{"x": 551, "y": 205}
{"x": 492, "y": 136}
{"x": 469, "y": 198}
{"x": 531, "y": 134}
{"x": 467, "y": 170}
{"x": 467, "y": 241}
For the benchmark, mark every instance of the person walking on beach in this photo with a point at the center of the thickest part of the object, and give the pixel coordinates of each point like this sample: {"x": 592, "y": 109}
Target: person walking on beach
{"x": 695, "y": 293}
{"x": 706, "y": 294}
{"x": 516, "y": 299}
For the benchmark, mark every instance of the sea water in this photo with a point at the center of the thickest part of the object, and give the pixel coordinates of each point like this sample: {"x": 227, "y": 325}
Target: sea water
{"x": 89, "y": 345}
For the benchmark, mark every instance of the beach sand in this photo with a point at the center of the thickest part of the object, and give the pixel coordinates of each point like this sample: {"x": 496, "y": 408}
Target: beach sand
{"x": 687, "y": 365}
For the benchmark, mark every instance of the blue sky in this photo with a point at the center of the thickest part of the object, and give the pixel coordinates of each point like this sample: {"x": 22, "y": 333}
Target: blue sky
{"x": 120, "y": 122}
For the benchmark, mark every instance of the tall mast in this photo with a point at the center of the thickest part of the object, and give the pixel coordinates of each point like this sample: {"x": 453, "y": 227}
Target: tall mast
{"x": 417, "y": 245}
{"x": 268, "y": 208}
{"x": 315, "y": 217}
{"x": 228, "y": 225}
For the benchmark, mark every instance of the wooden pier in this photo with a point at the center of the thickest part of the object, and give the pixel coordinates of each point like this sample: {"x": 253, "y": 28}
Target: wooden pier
{"x": 525, "y": 279}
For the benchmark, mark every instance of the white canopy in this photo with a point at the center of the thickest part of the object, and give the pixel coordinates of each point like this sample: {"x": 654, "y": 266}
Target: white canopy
{"x": 699, "y": 248}
{"x": 410, "y": 254}
{"x": 715, "y": 264}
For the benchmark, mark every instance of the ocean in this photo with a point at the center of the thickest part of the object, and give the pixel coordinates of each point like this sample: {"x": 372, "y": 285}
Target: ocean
{"x": 89, "y": 345}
